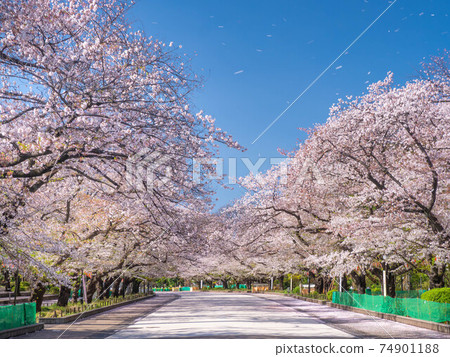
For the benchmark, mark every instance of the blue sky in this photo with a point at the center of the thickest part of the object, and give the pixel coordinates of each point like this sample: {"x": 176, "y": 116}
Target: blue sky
{"x": 257, "y": 56}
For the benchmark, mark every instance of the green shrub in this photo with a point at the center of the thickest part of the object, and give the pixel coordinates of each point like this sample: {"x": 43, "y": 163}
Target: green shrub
{"x": 437, "y": 295}
{"x": 330, "y": 294}
{"x": 296, "y": 290}
{"x": 314, "y": 294}
{"x": 53, "y": 289}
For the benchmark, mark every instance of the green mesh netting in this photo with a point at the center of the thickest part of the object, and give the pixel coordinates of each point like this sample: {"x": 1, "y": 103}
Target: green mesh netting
{"x": 241, "y": 286}
{"x": 412, "y": 294}
{"x": 16, "y": 316}
{"x": 416, "y": 308}
{"x": 30, "y": 313}
{"x": 408, "y": 294}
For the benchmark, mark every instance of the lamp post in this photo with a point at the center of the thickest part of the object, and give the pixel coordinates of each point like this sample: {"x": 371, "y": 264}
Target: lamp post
{"x": 309, "y": 284}
{"x": 384, "y": 276}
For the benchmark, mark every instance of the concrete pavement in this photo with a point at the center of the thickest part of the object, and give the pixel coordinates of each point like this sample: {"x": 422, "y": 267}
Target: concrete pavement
{"x": 227, "y": 315}
{"x": 359, "y": 325}
{"x": 212, "y": 315}
{"x": 104, "y": 324}
{"x": 208, "y": 315}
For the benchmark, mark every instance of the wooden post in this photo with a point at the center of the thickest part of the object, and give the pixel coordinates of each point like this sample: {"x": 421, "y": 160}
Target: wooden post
{"x": 84, "y": 289}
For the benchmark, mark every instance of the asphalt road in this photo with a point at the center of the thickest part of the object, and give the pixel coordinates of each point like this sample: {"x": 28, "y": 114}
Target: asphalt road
{"x": 227, "y": 315}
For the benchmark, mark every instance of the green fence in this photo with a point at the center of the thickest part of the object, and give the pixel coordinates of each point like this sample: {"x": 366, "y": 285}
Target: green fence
{"x": 416, "y": 308}
{"x": 16, "y": 316}
{"x": 241, "y": 286}
{"x": 401, "y": 294}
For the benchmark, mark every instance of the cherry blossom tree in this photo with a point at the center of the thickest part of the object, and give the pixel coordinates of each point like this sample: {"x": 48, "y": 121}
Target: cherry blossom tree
{"x": 367, "y": 191}
{"x": 82, "y": 95}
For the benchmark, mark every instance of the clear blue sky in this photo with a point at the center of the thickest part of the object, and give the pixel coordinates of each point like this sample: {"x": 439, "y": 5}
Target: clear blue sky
{"x": 258, "y": 56}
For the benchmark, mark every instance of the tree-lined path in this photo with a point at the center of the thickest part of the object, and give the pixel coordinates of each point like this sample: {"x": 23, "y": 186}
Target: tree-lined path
{"x": 215, "y": 315}
{"x": 113, "y": 179}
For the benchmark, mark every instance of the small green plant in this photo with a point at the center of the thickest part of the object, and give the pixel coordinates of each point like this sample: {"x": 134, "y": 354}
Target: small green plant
{"x": 296, "y": 290}
{"x": 330, "y": 294}
{"x": 437, "y": 295}
{"x": 72, "y": 308}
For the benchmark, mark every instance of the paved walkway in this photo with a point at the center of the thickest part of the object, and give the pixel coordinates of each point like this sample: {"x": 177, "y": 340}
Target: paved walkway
{"x": 104, "y": 324}
{"x": 359, "y": 325}
{"x": 227, "y": 315}
{"x": 213, "y": 315}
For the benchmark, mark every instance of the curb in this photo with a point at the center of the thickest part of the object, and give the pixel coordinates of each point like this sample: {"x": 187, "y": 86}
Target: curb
{"x": 435, "y": 326}
{"x": 83, "y": 315}
{"x": 13, "y": 332}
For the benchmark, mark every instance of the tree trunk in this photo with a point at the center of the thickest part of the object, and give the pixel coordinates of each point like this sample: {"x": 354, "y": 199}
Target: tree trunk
{"x": 91, "y": 288}
{"x": 64, "y": 295}
{"x": 7, "y": 280}
{"x": 320, "y": 284}
{"x": 225, "y": 284}
{"x": 124, "y": 286}
{"x": 17, "y": 280}
{"x": 390, "y": 280}
{"x": 281, "y": 282}
{"x": 311, "y": 279}
{"x": 100, "y": 288}
{"x": 344, "y": 283}
{"x": 327, "y": 284}
{"x": 136, "y": 283}
{"x": 390, "y": 284}
{"x": 436, "y": 275}
{"x": 406, "y": 283}
{"x": 115, "y": 288}
{"x": 248, "y": 282}
{"x": 76, "y": 289}
{"x": 38, "y": 295}
{"x": 359, "y": 280}
{"x": 107, "y": 285}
